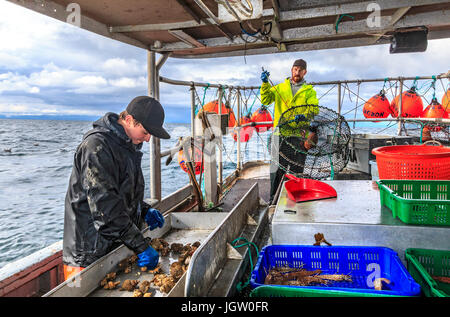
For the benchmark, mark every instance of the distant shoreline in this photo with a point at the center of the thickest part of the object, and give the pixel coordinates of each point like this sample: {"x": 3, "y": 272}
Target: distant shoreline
{"x": 61, "y": 118}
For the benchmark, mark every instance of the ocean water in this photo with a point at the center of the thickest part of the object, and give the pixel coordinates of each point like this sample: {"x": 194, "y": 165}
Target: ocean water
{"x": 36, "y": 159}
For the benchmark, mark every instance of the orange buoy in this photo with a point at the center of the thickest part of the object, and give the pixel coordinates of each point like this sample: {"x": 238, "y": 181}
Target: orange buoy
{"x": 434, "y": 110}
{"x": 261, "y": 115}
{"x": 197, "y": 161}
{"x": 213, "y": 106}
{"x": 446, "y": 100}
{"x": 412, "y": 106}
{"x": 377, "y": 107}
{"x": 244, "y": 133}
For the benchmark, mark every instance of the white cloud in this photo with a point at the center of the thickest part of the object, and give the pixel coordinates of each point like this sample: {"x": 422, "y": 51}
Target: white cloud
{"x": 13, "y": 82}
{"x": 54, "y": 76}
{"x": 19, "y": 36}
{"x": 123, "y": 67}
{"x": 127, "y": 82}
{"x": 35, "y": 90}
{"x": 90, "y": 80}
{"x": 211, "y": 72}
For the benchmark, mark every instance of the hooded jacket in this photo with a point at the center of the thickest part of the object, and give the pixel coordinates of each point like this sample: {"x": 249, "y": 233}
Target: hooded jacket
{"x": 105, "y": 195}
{"x": 281, "y": 94}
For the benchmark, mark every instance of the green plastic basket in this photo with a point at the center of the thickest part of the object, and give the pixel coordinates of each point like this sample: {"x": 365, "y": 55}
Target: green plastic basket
{"x": 419, "y": 202}
{"x": 280, "y": 291}
{"x": 423, "y": 263}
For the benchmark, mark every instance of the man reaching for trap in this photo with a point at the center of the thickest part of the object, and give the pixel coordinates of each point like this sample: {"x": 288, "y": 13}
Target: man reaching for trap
{"x": 294, "y": 91}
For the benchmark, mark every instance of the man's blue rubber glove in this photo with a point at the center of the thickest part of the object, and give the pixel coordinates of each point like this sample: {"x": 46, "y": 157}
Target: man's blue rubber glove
{"x": 154, "y": 218}
{"x": 149, "y": 258}
{"x": 265, "y": 76}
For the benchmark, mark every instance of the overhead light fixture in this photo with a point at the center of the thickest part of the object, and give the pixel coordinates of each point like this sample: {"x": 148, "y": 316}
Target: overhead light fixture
{"x": 409, "y": 40}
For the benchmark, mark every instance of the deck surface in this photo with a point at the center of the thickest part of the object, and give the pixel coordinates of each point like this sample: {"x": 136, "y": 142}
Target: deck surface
{"x": 249, "y": 176}
{"x": 357, "y": 202}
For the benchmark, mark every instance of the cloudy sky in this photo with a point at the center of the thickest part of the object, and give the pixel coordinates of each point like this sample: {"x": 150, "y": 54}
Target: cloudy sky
{"x": 48, "y": 67}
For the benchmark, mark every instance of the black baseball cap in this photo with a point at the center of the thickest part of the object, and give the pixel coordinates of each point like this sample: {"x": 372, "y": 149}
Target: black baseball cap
{"x": 149, "y": 112}
{"x": 300, "y": 62}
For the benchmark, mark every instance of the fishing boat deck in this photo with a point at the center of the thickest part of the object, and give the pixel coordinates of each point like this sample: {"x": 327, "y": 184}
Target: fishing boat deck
{"x": 259, "y": 173}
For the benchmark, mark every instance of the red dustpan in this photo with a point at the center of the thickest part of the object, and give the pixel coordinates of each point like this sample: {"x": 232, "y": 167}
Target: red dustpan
{"x": 304, "y": 189}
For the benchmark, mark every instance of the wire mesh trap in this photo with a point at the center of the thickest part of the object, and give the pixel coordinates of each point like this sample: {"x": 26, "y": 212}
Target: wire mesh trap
{"x": 330, "y": 154}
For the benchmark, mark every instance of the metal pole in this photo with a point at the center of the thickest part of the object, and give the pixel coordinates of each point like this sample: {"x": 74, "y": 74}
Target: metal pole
{"x": 238, "y": 166}
{"x": 155, "y": 147}
{"x": 188, "y": 83}
{"x": 220, "y": 141}
{"x": 339, "y": 99}
{"x": 400, "y": 103}
{"x": 193, "y": 111}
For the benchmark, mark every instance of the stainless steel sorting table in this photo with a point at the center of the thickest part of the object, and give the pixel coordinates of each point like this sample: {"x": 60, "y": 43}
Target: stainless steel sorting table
{"x": 354, "y": 218}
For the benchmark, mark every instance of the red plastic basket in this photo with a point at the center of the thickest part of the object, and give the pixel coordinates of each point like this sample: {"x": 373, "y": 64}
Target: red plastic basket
{"x": 413, "y": 162}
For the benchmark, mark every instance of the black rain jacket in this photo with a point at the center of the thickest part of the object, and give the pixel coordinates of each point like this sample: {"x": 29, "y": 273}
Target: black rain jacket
{"x": 104, "y": 202}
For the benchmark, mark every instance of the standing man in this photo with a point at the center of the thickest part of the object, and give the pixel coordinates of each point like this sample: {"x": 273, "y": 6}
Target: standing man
{"x": 104, "y": 203}
{"x": 294, "y": 91}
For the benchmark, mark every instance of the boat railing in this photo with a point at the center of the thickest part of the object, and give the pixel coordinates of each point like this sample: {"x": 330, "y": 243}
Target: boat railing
{"x": 345, "y": 97}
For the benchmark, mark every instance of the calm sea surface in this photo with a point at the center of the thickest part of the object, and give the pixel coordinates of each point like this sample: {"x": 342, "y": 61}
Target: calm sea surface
{"x": 35, "y": 164}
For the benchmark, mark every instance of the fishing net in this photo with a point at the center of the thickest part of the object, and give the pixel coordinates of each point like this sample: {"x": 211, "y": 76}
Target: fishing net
{"x": 329, "y": 156}
{"x": 428, "y": 130}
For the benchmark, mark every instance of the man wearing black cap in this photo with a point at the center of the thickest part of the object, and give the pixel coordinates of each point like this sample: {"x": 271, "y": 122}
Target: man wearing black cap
{"x": 294, "y": 91}
{"x": 104, "y": 204}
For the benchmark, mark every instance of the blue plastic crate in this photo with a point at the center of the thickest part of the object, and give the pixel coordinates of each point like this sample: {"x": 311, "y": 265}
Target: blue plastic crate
{"x": 363, "y": 264}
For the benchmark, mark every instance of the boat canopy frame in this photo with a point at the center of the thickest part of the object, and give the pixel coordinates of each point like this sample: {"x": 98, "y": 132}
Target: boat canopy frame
{"x": 205, "y": 28}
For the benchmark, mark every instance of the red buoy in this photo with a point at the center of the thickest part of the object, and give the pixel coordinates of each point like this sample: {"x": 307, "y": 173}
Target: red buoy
{"x": 261, "y": 115}
{"x": 377, "y": 107}
{"x": 244, "y": 133}
{"x": 213, "y": 106}
{"x": 434, "y": 110}
{"x": 197, "y": 161}
{"x": 412, "y": 106}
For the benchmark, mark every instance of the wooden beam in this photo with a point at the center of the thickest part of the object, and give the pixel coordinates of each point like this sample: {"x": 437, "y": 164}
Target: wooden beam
{"x": 394, "y": 19}
{"x": 208, "y": 12}
{"x": 186, "y": 38}
{"x": 327, "y": 10}
{"x": 326, "y": 32}
{"x": 188, "y": 9}
{"x": 277, "y": 31}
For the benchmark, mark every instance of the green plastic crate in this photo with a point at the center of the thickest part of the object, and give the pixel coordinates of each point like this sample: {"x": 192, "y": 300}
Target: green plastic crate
{"x": 419, "y": 202}
{"x": 423, "y": 263}
{"x": 280, "y": 291}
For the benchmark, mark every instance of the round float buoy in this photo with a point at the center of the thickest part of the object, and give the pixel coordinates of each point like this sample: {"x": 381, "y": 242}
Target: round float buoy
{"x": 261, "y": 115}
{"x": 244, "y": 133}
{"x": 197, "y": 161}
{"x": 213, "y": 106}
{"x": 377, "y": 106}
{"x": 434, "y": 110}
{"x": 412, "y": 106}
{"x": 446, "y": 100}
